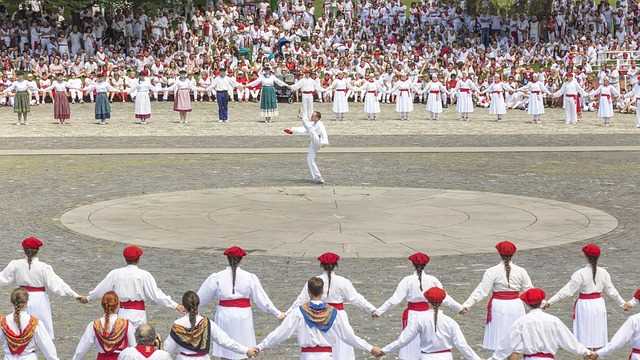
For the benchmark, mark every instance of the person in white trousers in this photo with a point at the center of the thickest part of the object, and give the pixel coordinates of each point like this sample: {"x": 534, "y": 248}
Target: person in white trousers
{"x": 318, "y": 134}
{"x": 572, "y": 91}
{"x": 308, "y": 87}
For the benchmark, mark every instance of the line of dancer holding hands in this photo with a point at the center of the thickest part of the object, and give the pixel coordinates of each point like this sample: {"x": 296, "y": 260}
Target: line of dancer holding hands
{"x": 317, "y": 317}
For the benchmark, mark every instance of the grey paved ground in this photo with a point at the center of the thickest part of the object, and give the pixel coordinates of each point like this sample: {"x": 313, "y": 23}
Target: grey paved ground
{"x": 38, "y": 189}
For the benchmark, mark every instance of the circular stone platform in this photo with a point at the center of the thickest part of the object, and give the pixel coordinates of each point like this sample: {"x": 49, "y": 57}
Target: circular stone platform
{"x": 353, "y": 221}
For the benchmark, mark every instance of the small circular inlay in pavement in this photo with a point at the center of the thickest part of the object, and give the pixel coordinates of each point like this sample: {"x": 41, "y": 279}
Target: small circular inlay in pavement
{"x": 353, "y": 221}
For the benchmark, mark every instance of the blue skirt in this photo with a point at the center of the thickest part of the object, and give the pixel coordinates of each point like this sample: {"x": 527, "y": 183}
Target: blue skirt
{"x": 103, "y": 107}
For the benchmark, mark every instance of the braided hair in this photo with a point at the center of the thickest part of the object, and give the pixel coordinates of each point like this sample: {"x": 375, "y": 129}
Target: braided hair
{"x": 234, "y": 261}
{"x": 110, "y": 303}
{"x": 435, "y": 306}
{"x": 19, "y": 300}
{"x": 419, "y": 269}
{"x": 593, "y": 261}
{"x": 30, "y": 253}
{"x": 507, "y": 267}
{"x": 329, "y": 269}
{"x": 191, "y": 302}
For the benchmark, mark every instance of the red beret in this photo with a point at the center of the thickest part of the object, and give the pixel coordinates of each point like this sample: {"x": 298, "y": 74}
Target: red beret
{"x": 435, "y": 295}
{"x": 132, "y": 253}
{"x": 569, "y": 74}
{"x": 591, "y": 250}
{"x": 637, "y": 294}
{"x": 506, "y": 248}
{"x": 31, "y": 242}
{"x": 533, "y": 296}
{"x": 235, "y": 251}
{"x": 329, "y": 258}
{"x": 419, "y": 258}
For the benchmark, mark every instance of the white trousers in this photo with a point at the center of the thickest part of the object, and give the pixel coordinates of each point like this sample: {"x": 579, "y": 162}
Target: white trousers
{"x": 638, "y": 113}
{"x": 307, "y": 106}
{"x": 311, "y": 162}
{"x": 571, "y": 111}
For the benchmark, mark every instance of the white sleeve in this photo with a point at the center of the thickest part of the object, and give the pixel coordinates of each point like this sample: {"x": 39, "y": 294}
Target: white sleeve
{"x": 568, "y": 290}
{"x": 153, "y": 292}
{"x": 286, "y": 329}
{"x": 481, "y": 291}
{"x": 406, "y": 336}
{"x": 260, "y": 297}
{"x": 85, "y": 343}
{"x": 208, "y": 291}
{"x": 398, "y": 296}
{"x": 44, "y": 343}
{"x": 105, "y": 285}
{"x": 346, "y": 334}
{"x": 567, "y": 340}
{"x": 353, "y": 297}
{"x": 220, "y": 337}
{"x": 7, "y": 275}
{"x": 56, "y": 285}
{"x": 299, "y": 130}
{"x": 461, "y": 343}
{"x": 622, "y": 337}
{"x": 170, "y": 346}
{"x": 612, "y": 291}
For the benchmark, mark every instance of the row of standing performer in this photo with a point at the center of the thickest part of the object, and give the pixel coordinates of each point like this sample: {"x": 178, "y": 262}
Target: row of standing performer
{"x": 317, "y": 317}
{"x": 571, "y": 91}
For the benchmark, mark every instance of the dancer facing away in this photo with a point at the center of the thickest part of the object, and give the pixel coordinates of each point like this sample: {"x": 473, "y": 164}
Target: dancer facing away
{"x": 337, "y": 292}
{"x": 193, "y": 335}
{"x": 38, "y": 278}
{"x": 235, "y": 290}
{"x": 147, "y": 346}
{"x": 589, "y": 310}
{"x": 436, "y": 333}
{"x": 133, "y": 286}
{"x": 629, "y": 332}
{"x": 504, "y": 282}
{"x": 319, "y": 328}
{"x": 22, "y": 334}
{"x": 109, "y": 334}
{"x": 538, "y": 335}
{"x": 318, "y": 138}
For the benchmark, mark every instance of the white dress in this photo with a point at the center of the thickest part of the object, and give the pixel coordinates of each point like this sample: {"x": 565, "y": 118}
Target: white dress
{"x": 404, "y": 100}
{"x": 409, "y": 290}
{"x": 143, "y": 102}
{"x": 464, "y": 89}
{"x": 435, "y": 91}
{"x": 496, "y": 93}
{"x": 40, "y": 279}
{"x": 605, "y": 105}
{"x": 341, "y": 292}
{"x": 536, "y": 101}
{"x": 371, "y": 90}
{"x": 340, "y": 103}
{"x": 233, "y": 313}
{"x": 218, "y": 336}
{"x": 434, "y": 345}
{"x": 41, "y": 341}
{"x": 590, "y": 322}
{"x": 505, "y": 311}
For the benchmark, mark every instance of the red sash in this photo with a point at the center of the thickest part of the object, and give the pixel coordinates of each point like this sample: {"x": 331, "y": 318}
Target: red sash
{"x": 634, "y": 351}
{"x": 33, "y": 288}
{"x": 540, "y": 355}
{"x": 536, "y": 92}
{"x": 194, "y": 354}
{"x": 500, "y": 295}
{"x": 434, "y": 91}
{"x": 237, "y": 303}
{"x": 404, "y": 90}
{"x": 467, "y": 91}
{"x": 132, "y": 305}
{"x": 337, "y": 306}
{"x": 372, "y": 92}
{"x": 308, "y": 92}
{"x": 413, "y": 306}
{"x": 582, "y": 296}
{"x": 438, "y": 352}
{"x": 343, "y": 90}
{"x": 576, "y": 98}
{"x": 316, "y": 349}
{"x": 146, "y": 351}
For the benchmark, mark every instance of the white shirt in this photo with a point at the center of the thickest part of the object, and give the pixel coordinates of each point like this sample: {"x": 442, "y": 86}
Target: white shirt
{"x": 340, "y": 85}
{"x": 316, "y": 131}
{"x": 310, "y": 337}
{"x": 629, "y": 332}
{"x": 132, "y": 284}
{"x": 222, "y": 83}
{"x": 448, "y": 335}
{"x": 538, "y": 332}
{"x": 409, "y": 290}
{"x": 58, "y": 86}
{"x": 582, "y": 281}
{"x": 217, "y": 335}
{"x": 181, "y": 84}
{"x": 40, "y": 341}
{"x": 307, "y": 85}
{"x": 21, "y": 85}
{"x": 101, "y": 87}
{"x": 133, "y": 354}
{"x": 89, "y": 339}
{"x": 341, "y": 292}
{"x": 495, "y": 279}
{"x": 40, "y": 274}
{"x": 219, "y": 286}
{"x": 571, "y": 88}
{"x": 266, "y": 81}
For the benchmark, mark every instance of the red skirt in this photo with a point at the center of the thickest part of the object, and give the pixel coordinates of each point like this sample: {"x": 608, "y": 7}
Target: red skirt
{"x": 61, "y": 110}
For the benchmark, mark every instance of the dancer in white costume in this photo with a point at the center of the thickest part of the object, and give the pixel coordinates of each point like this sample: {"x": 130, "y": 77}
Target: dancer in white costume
{"x": 340, "y": 87}
{"x": 606, "y": 92}
{"x": 436, "y": 93}
{"x": 571, "y": 92}
{"x": 536, "y": 90}
{"x": 496, "y": 92}
{"x": 464, "y": 90}
{"x": 318, "y": 138}
{"x": 404, "y": 100}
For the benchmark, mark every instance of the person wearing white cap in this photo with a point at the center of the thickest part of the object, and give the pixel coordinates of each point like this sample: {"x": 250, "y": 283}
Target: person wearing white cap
{"x": 571, "y": 91}
{"x": 605, "y": 109}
